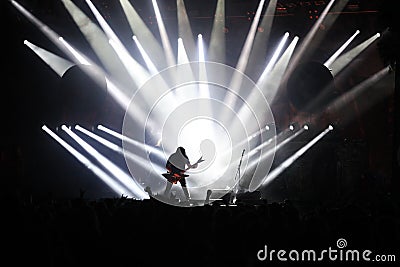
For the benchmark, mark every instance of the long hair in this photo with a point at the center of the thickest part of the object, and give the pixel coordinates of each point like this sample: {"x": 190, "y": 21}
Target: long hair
{"x": 183, "y": 151}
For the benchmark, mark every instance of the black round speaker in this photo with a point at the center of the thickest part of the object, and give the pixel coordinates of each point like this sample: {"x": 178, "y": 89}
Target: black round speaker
{"x": 83, "y": 93}
{"x": 310, "y": 86}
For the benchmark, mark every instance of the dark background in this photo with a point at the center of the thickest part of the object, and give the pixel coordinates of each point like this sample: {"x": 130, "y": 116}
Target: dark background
{"x": 34, "y": 95}
{"x": 345, "y": 186}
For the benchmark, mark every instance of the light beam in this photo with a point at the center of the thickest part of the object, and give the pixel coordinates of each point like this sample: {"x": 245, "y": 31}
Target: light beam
{"x": 58, "y": 64}
{"x": 284, "y": 165}
{"x": 107, "y": 179}
{"x": 121, "y": 175}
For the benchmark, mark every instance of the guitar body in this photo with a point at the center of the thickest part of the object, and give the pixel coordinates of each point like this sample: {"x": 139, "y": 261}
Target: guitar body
{"x": 174, "y": 177}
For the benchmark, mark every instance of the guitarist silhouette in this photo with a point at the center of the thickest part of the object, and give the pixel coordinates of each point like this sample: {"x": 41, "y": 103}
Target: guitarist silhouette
{"x": 177, "y": 164}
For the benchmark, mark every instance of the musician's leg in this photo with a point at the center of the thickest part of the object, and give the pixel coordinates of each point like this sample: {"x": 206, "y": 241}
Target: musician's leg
{"x": 167, "y": 189}
{"x": 185, "y": 190}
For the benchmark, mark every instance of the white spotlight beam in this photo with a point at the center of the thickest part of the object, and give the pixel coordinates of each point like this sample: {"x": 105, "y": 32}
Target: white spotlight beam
{"x": 143, "y": 33}
{"x": 99, "y": 43}
{"x": 244, "y": 55}
{"x": 108, "y": 180}
{"x": 185, "y": 70}
{"x": 121, "y": 175}
{"x": 117, "y": 148}
{"x": 276, "y": 138}
{"x": 274, "y": 58}
{"x": 252, "y": 136}
{"x": 277, "y": 146}
{"x": 342, "y": 61}
{"x": 58, "y": 64}
{"x": 150, "y": 65}
{"x": 79, "y": 58}
{"x": 284, "y": 165}
{"x": 307, "y": 40}
{"x": 203, "y": 87}
{"x": 154, "y": 150}
{"x": 66, "y": 48}
{"x": 185, "y": 30}
{"x": 340, "y": 50}
{"x": 200, "y": 45}
{"x": 270, "y": 85}
{"x": 216, "y": 50}
{"x": 253, "y": 98}
{"x": 236, "y": 81}
{"x": 329, "y": 20}
{"x": 261, "y": 39}
{"x": 164, "y": 36}
{"x": 182, "y": 55}
{"x": 99, "y": 139}
{"x": 136, "y": 71}
{"x": 47, "y": 31}
{"x": 114, "y": 91}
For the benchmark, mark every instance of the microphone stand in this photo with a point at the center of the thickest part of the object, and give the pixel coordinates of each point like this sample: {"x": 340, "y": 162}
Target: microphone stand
{"x": 237, "y": 176}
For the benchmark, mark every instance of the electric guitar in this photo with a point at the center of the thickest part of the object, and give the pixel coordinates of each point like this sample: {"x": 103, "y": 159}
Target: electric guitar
{"x": 175, "y": 177}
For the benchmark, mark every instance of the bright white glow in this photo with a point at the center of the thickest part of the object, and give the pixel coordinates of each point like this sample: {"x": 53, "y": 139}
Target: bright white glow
{"x": 76, "y": 56}
{"x": 164, "y": 36}
{"x": 138, "y": 74}
{"x": 58, "y": 64}
{"x": 98, "y": 41}
{"x": 140, "y": 29}
{"x": 272, "y": 150}
{"x": 150, "y": 65}
{"x": 330, "y": 127}
{"x": 151, "y": 149}
{"x": 270, "y": 83}
{"x": 200, "y": 47}
{"x": 260, "y": 46}
{"x": 216, "y": 47}
{"x": 244, "y": 55}
{"x": 253, "y": 98}
{"x": 136, "y": 71}
{"x": 182, "y": 55}
{"x": 206, "y": 133}
{"x": 203, "y": 87}
{"x": 340, "y": 50}
{"x": 343, "y": 60}
{"x": 120, "y": 190}
{"x": 267, "y": 127}
{"x": 237, "y": 78}
{"x": 81, "y": 59}
{"x": 184, "y": 28}
{"x": 305, "y": 127}
{"x": 122, "y": 176}
{"x": 49, "y": 33}
{"x": 305, "y": 44}
{"x": 115, "y": 92}
{"x": 284, "y": 165}
{"x": 275, "y": 56}
{"x": 117, "y": 149}
{"x": 291, "y": 127}
{"x": 100, "y": 139}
